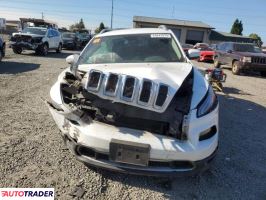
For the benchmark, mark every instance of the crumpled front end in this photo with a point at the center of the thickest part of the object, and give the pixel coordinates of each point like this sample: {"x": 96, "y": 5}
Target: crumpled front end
{"x": 25, "y": 41}
{"x": 132, "y": 124}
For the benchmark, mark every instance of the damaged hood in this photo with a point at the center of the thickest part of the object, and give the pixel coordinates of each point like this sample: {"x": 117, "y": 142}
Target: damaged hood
{"x": 27, "y": 34}
{"x": 161, "y": 76}
{"x": 172, "y": 74}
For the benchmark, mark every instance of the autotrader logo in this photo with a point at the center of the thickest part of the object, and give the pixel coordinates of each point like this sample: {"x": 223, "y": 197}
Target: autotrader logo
{"x": 27, "y": 193}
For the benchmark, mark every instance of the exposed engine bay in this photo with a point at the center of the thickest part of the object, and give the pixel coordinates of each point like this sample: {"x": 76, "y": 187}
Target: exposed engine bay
{"x": 85, "y": 103}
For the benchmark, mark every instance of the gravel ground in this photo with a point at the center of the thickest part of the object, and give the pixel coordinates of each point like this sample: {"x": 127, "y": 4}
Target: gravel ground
{"x": 33, "y": 154}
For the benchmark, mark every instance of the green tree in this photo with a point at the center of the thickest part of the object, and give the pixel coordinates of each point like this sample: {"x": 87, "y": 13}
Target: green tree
{"x": 81, "y": 24}
{"x": 77, "y": 26}
{"x": 100, "y": 28}
{"x": 237, "y": 27}
{"x": 257, "y": 38}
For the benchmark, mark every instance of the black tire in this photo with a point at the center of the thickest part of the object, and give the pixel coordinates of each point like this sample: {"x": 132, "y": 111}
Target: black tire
{"x": 17, "y": 50}
{"x": 263, "y": 74}
{"x": 236, "y": 68}
{"x": 44, "y": 49}
{"x": 216, "y": 63}
{"x": 59, "y": 49}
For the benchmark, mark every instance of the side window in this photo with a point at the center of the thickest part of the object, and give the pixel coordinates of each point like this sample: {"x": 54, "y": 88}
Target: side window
{"x": 228, "y": 47}
{"x": 55, "y": 33}
{"x": 221, "y": 47}
{"x": 50, "y": 33}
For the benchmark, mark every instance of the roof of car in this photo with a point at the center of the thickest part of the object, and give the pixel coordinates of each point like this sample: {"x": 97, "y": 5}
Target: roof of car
{"x": 135, "y": 31}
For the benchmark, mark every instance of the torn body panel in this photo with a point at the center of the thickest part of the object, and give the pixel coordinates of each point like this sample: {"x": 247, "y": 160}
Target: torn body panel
{"x": 26, "y": 41}
{"x": 76, "y": 97}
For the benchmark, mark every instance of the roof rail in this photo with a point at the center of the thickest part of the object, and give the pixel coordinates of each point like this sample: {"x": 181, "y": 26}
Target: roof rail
{"x": 163, "y": 27}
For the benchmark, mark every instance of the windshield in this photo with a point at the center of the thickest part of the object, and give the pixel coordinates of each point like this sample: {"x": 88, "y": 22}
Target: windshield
{"x": 245, "y": 48}
{"x": 258, "y": 50}
{"x": 83, "y": 35}
{"x": 37, "y": 31}
{"x": 68, "y": 35}
{"x": 135, "y": 48}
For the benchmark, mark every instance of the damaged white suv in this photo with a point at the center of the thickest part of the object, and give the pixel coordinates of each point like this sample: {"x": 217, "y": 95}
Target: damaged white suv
{"x": 133, "y": 102}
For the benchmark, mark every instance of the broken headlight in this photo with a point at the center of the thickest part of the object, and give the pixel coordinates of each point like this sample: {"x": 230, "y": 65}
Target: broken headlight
{"x": 208, "y": 103}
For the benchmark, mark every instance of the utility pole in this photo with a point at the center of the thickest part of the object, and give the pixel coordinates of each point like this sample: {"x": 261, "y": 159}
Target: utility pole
{"x": 173, "y": 12}
{"x": 42, "y": 16}
{"x": 112, "y": 13}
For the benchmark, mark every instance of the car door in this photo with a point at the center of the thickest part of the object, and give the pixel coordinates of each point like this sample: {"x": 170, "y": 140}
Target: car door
{"x": 220, "y": 52}
{"x": 56, "y": 38}
{"x": 50, "y": 38}
{"x": 228, "y": 53}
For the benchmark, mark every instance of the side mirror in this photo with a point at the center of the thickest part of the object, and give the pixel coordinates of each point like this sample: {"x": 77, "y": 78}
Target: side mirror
{"x": 193, "y": 54}
{"x": 72, "y": 59}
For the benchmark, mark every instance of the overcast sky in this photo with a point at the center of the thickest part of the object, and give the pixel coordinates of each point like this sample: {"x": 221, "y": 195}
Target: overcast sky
{"x": 219, "y": 14}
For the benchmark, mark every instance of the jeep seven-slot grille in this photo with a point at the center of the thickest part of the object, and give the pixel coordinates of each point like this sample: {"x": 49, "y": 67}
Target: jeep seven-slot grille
{"x": 94, "y": 81}
{"x": 162, "y": 95}
{"x": 111, "y": 84}
{"x": 147, "y": 92}
{"x": 128, "y": 89}
{"x": 258, "y": 60}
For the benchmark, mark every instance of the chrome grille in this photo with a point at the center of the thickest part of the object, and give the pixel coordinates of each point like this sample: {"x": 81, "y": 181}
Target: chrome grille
{"x": 94, "y": 81}
{"x": 111, "y": 84}
{"x": 162, "y": 95}
{"x": 145, "y": 92}
{"x": 131, "y": 90}
{"x": 258, "y": 60}
{"x": 129, "y": 87}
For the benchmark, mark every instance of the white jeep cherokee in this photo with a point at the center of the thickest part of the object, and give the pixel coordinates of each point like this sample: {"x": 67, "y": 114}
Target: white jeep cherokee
{"x": 38, "y": 39}
{"x": 133, "y": 102}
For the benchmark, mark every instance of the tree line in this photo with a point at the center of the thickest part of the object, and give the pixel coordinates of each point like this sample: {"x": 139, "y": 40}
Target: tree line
{"x": 237, "y": 28}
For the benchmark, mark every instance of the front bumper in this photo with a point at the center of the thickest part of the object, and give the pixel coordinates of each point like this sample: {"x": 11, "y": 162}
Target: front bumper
{"x": 25, "y": 45}
{"x": 252, "y": 66}
{"x": 206, "y": 58}
{"x": 188, "y": 157}
{"x": 163, "y": 169}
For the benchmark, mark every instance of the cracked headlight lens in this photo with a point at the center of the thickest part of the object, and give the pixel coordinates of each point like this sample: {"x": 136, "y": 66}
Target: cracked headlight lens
{"x": 208, "y": 103}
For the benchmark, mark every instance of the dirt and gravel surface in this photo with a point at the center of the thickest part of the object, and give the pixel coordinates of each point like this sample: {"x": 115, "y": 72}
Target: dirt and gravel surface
{"x": 33, "y": 154}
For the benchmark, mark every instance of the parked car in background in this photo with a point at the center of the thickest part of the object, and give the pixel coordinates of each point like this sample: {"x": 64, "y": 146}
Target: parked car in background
{"x": 84, "y": 38}
{"x": 241, "y": 57}
{"x": 201, "y": 46}
{"x": 2, "y": 48}
{"x": 71, "y": 40}
{"x": 206, "y": 55}
{"x": 213, "y": 46}
{"x": 133, "y": 102}
{"x": 186, "y": 47}
{"x": 38, "y": 39}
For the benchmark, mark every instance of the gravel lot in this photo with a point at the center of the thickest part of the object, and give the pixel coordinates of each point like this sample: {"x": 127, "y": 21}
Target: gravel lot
{"x": 33, "y": 154}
